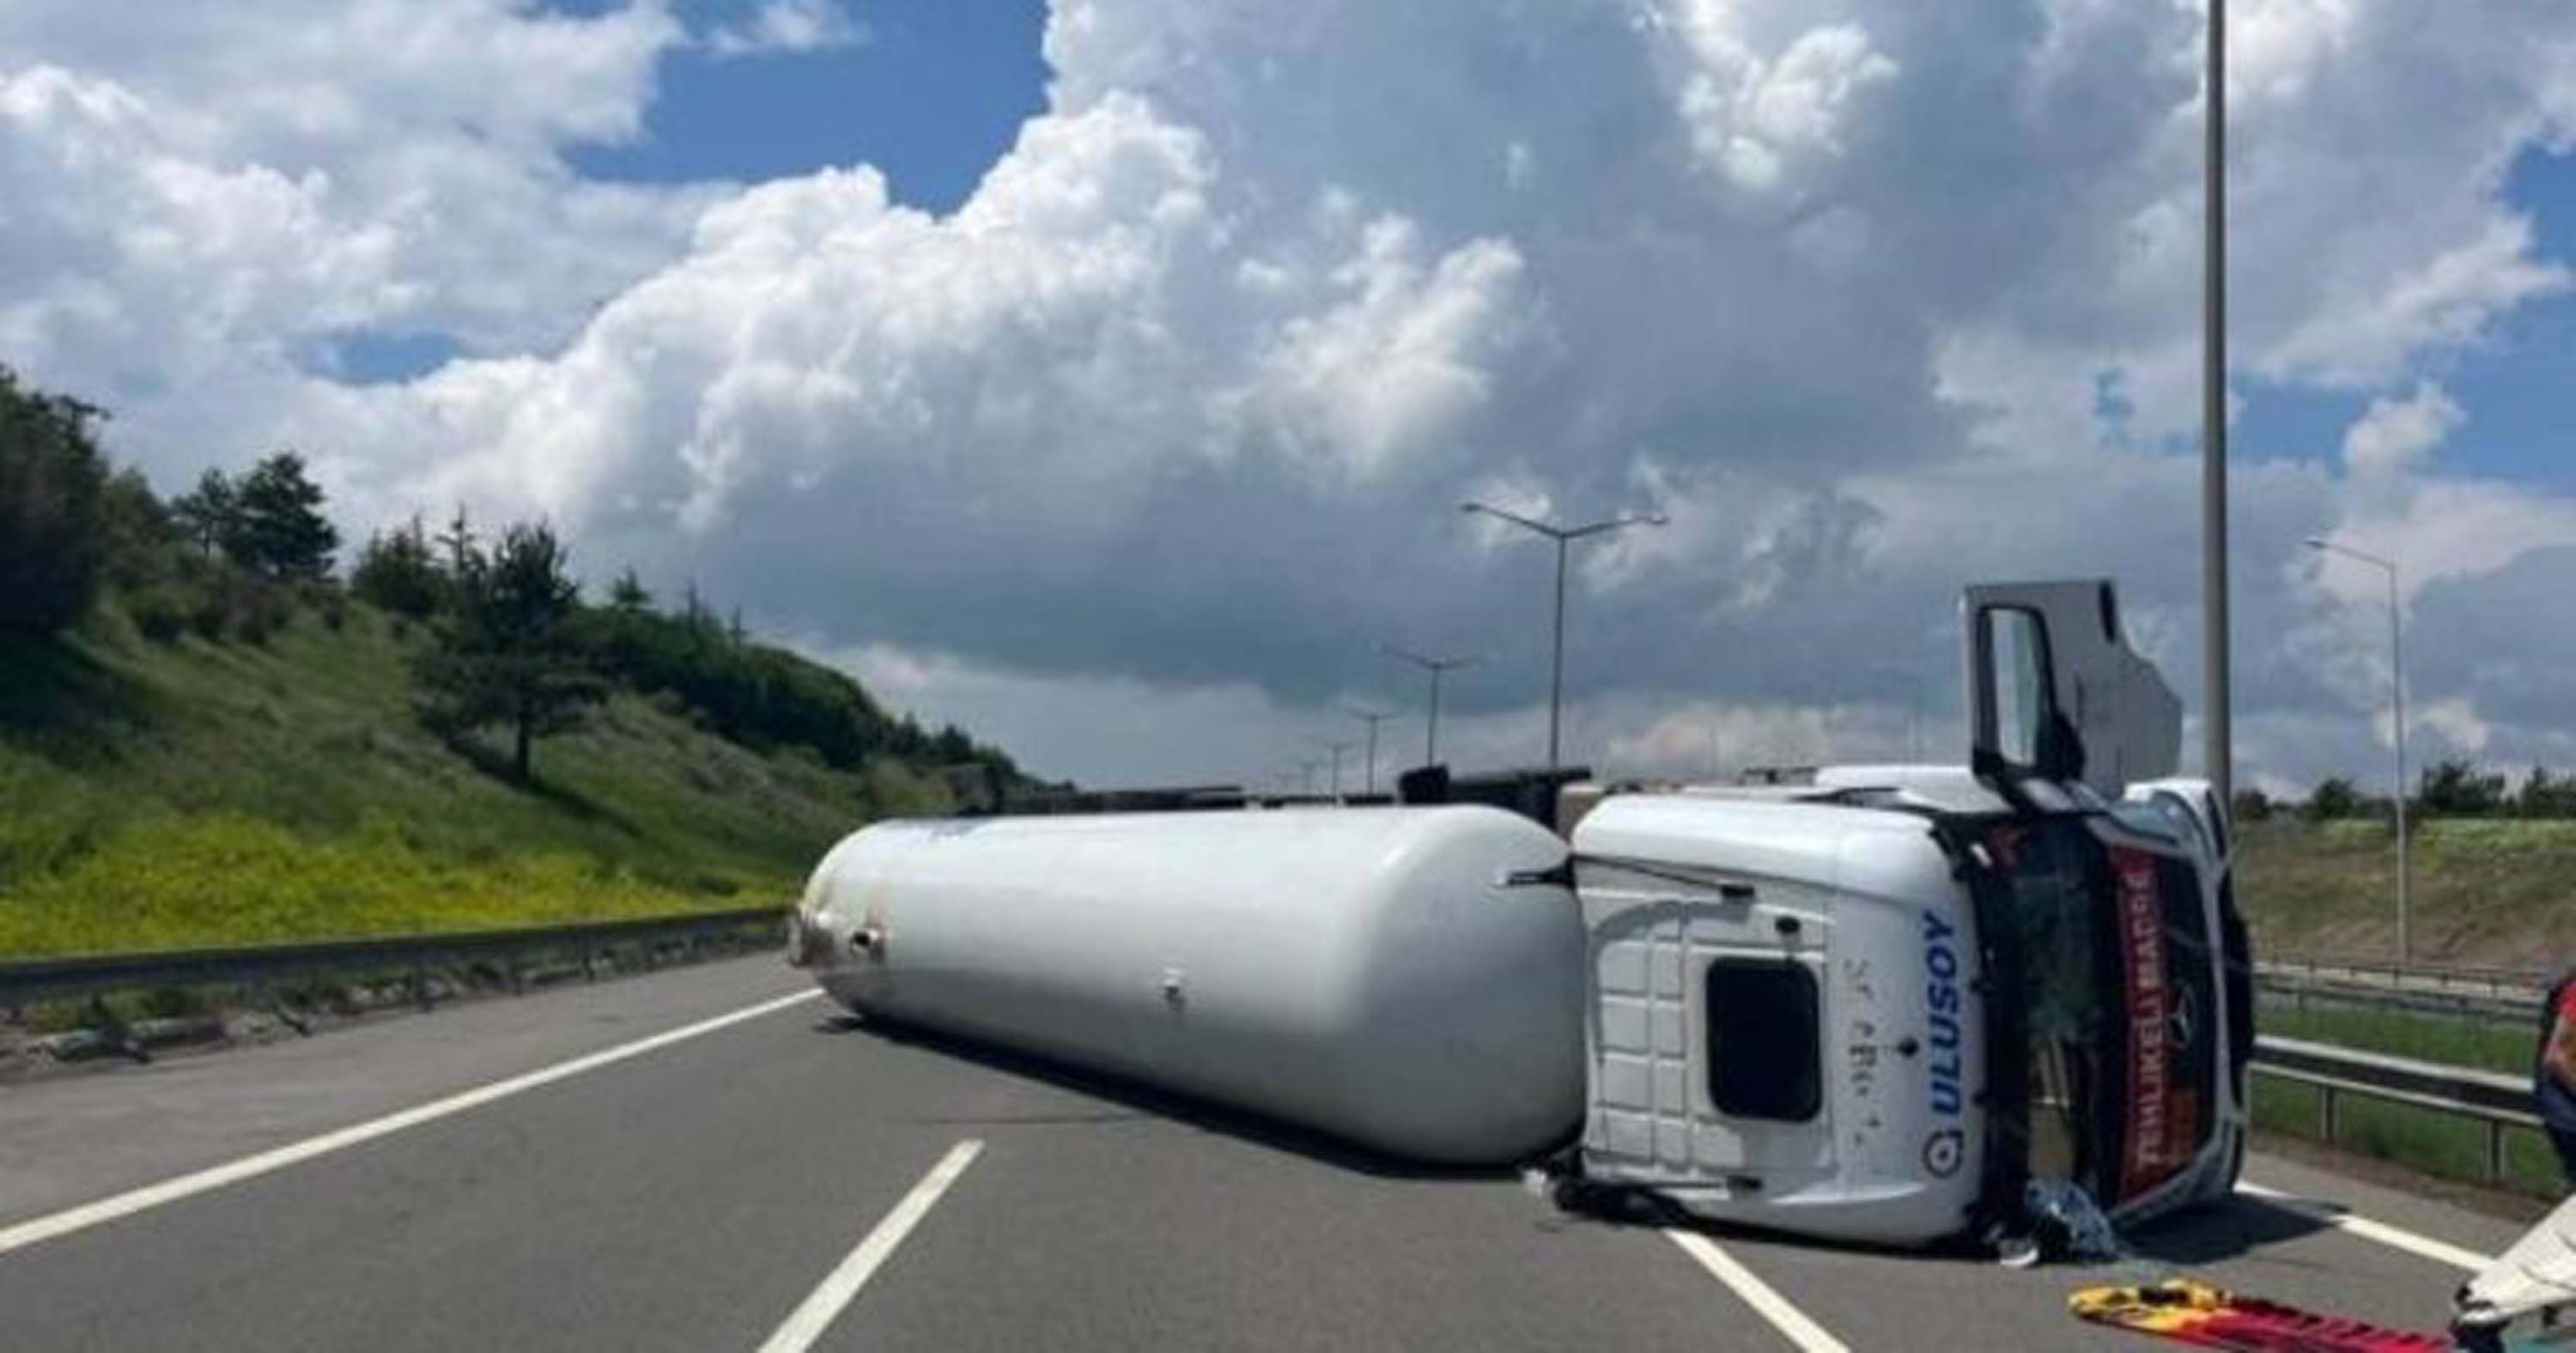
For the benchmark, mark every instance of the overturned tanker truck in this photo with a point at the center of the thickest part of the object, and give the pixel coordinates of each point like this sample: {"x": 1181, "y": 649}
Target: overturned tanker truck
{"x": 1897, "y": 1004}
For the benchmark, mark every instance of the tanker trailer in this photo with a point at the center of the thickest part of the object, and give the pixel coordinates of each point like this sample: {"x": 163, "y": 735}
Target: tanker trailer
{"x": 1408, "y": 979}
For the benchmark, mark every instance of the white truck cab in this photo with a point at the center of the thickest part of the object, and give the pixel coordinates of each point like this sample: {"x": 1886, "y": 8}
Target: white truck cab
{"x": 1880, "y": 1006}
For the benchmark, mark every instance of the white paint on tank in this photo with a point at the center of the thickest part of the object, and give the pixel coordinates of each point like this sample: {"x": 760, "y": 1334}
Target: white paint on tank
{"x": 1367, "y": 972}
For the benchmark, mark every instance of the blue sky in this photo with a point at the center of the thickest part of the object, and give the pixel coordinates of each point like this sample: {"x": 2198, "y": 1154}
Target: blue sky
{"x": 2514, "y": 387}
{"x": 936, "y": 91}
{"x": 932, "y": 96}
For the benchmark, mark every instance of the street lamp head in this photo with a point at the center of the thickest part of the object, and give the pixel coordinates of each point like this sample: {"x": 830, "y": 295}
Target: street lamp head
{"x": 2318, "y": 543}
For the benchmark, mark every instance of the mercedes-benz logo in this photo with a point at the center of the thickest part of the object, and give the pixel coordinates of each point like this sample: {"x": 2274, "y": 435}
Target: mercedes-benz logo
{"x": 2180, "y": 1023}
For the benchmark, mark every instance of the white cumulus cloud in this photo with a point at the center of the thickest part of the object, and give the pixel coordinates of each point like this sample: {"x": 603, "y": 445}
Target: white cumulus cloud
{"x": 1170, "y": 418}
{"x": 788, "y": 27}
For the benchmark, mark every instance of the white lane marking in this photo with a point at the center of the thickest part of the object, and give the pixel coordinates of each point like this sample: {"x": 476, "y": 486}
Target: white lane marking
{"x": 811, "y": 1317}
{"x": 2439, "y": 1251}
{"x": 1769, "y": 1304}
{"x": 248, "y": 1167}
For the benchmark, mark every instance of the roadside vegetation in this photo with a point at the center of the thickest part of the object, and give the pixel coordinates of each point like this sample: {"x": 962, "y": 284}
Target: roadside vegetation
{"x": 209, "y": 734}
{"x": 2493, "y": 876}
{"x": 2422, "y": 1140}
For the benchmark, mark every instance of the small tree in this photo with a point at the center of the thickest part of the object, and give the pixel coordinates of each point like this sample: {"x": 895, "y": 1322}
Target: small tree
{"x": 2253, "y": 805}
{"x": 208, "y": 513}
{"x": 2454, "y": 788}
{"x": 2547, "y": 795}
{"x": 510, "y": 653}
{"x": 399, "y": 573}
{"x": 52, "y": 483}
{"x": 627, "y": 594}
{"x": 459, "y": 542}
{"x": 279, "y": 529}
{"x": 2333, "y": 798}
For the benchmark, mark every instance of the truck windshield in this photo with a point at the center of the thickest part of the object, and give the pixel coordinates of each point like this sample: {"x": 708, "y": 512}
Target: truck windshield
{"x": 2104, "y": 918}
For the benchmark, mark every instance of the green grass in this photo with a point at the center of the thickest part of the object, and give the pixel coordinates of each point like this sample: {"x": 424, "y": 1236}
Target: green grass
{"x": 2431, "y": 1143}
{"x": 200, "y": 793}
{"x": 2434, "y": 1143}
{"x": 2489, "y": 1044}
{"x": 2485, "y": 891}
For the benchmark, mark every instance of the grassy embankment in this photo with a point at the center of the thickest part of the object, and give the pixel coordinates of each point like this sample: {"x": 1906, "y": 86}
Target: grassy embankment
{"x": 170, "y": 794}
{"x": 2495, "y": 892}
{"x": 2485, "y": 891}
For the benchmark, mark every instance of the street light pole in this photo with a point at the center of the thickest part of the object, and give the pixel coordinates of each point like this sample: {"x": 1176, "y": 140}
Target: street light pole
{"x": 2397, "y": 709}
{"x": 1563, "y": 536}
{"x": 1435, "y": 666}
{"x": 1336, "y": 748}
{"x": 1372, "y": 718}
{"x": 2217, "y": 747}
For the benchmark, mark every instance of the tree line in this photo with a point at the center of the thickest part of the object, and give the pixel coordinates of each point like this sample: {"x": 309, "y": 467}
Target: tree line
{"x": 2453, "y": 787}
{"x": 511, "y": 643}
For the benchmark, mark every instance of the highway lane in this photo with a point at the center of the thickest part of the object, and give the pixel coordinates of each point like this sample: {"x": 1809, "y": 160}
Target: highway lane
{"x": 693, "y": 1195}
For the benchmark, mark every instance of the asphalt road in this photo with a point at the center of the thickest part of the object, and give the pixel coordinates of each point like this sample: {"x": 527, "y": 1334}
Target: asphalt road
{"x": 787, "y": 1179}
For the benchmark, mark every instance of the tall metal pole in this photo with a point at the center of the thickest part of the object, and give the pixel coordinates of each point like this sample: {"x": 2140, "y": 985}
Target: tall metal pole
{"x": 1336, "y": 748}
{"x": 1371, "y": 717}
{"x": 1431, "y": 725}
{"x": 2397, "y": 712}
{"x": 2218, "y": 746}
{"x": 1435, "y": 666}
{"x": 1556, "y": 668}
{"x": 2397, "y": 698}
{"x": 1562, "y": 535}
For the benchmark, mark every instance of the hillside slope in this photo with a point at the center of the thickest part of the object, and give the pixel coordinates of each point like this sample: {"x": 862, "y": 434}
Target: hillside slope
{"x": 2496, "y": 890}
{"x": 172, "y": 792}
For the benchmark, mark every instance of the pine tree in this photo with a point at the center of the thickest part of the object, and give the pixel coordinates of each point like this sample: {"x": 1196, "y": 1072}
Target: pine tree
{"x": 208, "y": 513}
{"x": 279, "y": 527}
{"x": 510, "y": 654}
{"x": 52, "y": 481}
{"x": 399, "y": 573}
{"x": 460, "y": 543}
{"x": 627, "y": 594}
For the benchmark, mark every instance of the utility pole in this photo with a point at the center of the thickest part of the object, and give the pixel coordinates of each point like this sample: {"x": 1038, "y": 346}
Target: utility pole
{"x": 1563, "y": 536}
{"x": 1435, "y": 666}
{"x": 2218, "y": 748}
{"x": 1372, "y": 718}
{"x": 2397, "y": 708}
{"x": 1336, "y": 748}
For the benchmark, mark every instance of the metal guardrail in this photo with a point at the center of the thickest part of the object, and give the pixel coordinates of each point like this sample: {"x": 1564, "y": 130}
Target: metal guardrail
{"x": 2303, "y": 987}
{"x": 2438, "y": 976}
{"x": 2496, "y": 1101}
{"x": 24, "y": 982}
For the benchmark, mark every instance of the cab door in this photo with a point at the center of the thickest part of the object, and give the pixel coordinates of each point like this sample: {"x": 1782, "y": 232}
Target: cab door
{"x": 2062, "y": 712}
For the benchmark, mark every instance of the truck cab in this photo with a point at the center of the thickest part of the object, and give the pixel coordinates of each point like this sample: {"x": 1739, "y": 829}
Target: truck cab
{"x": 1900, "y": 1004}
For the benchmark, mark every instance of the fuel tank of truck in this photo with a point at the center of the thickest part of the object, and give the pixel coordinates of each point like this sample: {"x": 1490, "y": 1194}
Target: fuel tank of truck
{"x": 1408, "y": 979}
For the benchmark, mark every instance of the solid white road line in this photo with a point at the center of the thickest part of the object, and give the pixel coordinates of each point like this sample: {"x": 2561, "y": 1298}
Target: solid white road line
{"x": 2439, "y": 1251}
{"x": 249, "y": 1167}
{"x": 1770, "y": 1305}
{"x": 811, "y": 1317}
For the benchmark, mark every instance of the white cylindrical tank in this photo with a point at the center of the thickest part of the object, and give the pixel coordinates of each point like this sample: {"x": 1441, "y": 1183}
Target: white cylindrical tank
{"x": 1369, "y": 972}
